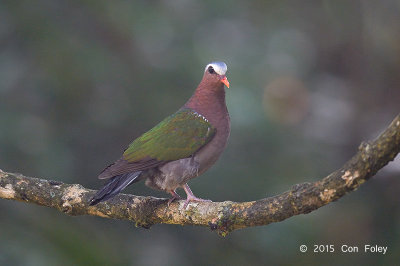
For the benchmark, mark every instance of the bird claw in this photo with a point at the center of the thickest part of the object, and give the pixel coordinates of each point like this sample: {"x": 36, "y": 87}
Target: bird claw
{"x": 189, "y": 199}
{"x": 174, "y": 197}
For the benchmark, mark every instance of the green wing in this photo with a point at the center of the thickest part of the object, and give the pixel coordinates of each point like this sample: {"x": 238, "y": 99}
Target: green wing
{"x": 178, "y": 136}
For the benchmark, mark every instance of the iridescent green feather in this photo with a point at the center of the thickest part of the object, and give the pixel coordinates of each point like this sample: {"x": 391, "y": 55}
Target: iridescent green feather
{"x": 178, "y": 136}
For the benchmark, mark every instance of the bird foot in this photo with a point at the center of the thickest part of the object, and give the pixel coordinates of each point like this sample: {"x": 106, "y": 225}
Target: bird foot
{"x": 193, "y": 198}
{"x": 174, "y": 197}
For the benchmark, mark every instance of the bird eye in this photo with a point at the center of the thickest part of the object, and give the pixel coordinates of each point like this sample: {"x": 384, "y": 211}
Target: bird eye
{"x": 211, "y": 70}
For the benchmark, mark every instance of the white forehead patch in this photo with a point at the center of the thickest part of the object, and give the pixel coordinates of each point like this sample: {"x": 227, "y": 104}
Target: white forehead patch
{"x": 219, "y": 67}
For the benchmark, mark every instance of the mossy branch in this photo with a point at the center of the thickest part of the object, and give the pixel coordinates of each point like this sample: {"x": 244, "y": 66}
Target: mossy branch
{"x": 222, "y": 217}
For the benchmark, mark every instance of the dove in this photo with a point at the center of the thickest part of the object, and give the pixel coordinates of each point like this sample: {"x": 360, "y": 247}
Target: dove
{"x": 181, "y": 147}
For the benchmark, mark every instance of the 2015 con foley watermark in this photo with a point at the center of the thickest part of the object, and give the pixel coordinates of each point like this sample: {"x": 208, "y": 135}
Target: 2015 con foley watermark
{"x": 344, "y": 248}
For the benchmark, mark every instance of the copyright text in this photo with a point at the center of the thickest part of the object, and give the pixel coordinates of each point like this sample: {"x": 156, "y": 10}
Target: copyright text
{"x": 367, "y": 248}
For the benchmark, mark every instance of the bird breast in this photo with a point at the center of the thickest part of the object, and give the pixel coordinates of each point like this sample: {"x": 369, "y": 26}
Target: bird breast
{"x": 210, "y": 153}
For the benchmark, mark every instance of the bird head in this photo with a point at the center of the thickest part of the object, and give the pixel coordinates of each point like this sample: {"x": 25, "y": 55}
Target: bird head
{"x": 215, "y": 71}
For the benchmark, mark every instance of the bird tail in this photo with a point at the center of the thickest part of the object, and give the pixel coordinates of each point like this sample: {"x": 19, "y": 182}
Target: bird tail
{"x": 114, "y": 186}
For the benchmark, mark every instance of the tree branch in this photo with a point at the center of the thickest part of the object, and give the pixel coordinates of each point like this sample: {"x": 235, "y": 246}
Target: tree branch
{"x": 223, "y": 217}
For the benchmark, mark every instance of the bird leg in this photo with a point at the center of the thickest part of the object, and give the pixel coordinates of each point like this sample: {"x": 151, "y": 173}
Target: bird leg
{"x": 174, "y": 197}
{"x": 191, "y": 197}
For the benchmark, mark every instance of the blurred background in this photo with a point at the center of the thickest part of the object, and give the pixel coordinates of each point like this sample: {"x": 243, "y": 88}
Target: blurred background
{"x": 309, "y": 81}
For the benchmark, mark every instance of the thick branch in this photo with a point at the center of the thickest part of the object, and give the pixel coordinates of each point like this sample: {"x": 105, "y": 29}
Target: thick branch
{"x": 223, "y": 217}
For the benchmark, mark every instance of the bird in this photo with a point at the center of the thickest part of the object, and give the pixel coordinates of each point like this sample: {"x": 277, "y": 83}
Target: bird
{"x": 181, "y": 147}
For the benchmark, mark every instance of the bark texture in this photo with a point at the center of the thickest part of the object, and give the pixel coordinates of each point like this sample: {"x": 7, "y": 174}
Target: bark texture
{"x": 223, "y": 217}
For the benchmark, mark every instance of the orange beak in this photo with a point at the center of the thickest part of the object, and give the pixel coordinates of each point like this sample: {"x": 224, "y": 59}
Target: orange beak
{"x": 225, "y": 81}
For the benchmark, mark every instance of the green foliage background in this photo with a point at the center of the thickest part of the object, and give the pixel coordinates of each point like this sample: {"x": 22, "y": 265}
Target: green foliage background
{"x": 309, "y": 81}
